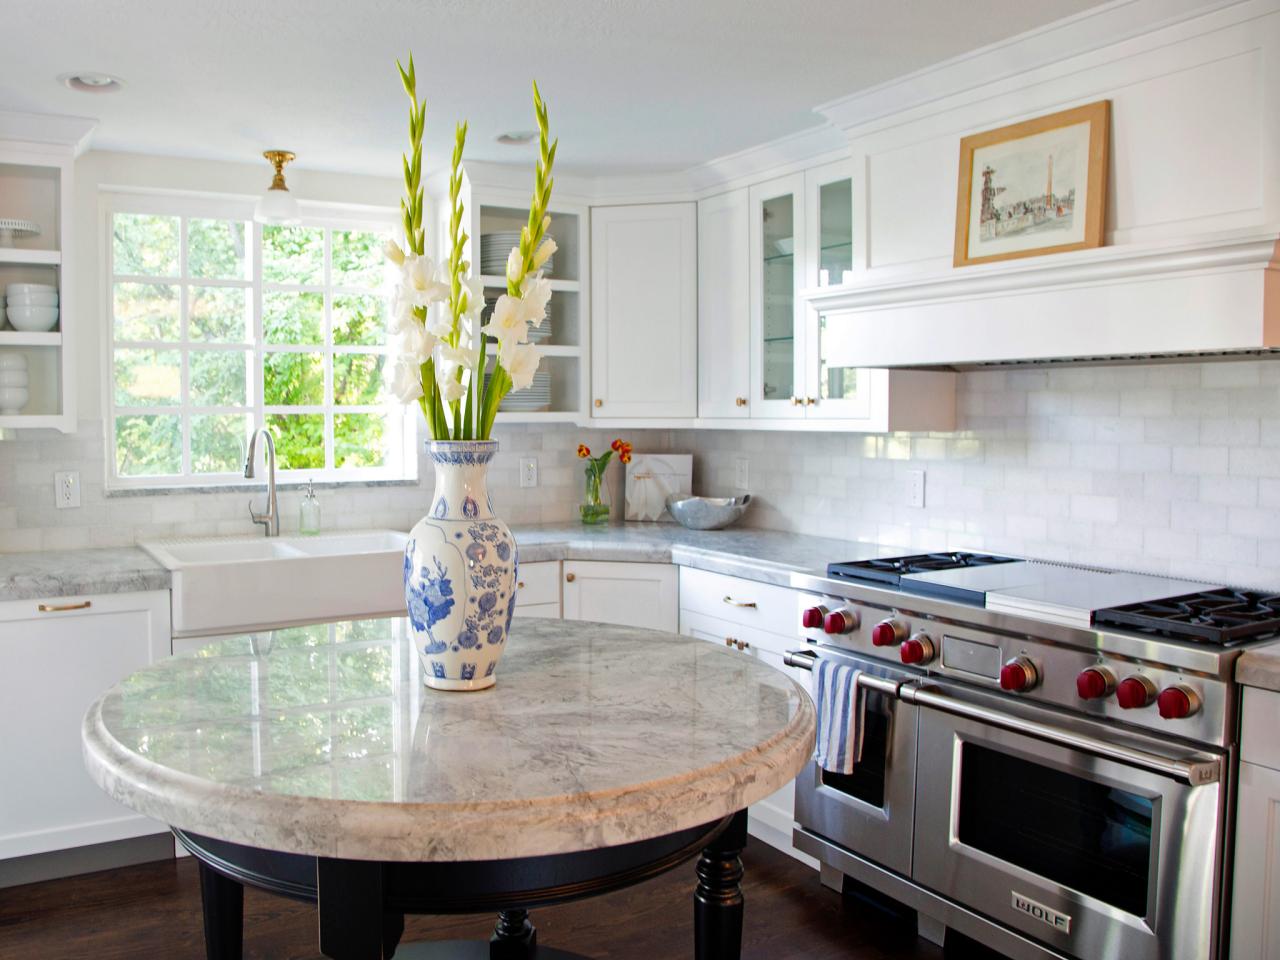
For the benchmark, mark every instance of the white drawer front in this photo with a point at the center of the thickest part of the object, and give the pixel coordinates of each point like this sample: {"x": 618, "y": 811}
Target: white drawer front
{"x": 768, "y": 647}
{"x": 761, "y": 605}
{"x": 538, "y": 583}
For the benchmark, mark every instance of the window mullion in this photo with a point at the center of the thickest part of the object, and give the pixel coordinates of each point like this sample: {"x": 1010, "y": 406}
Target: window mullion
{"x": 329, "y": 458}
{"x": 258, "y": 388}
{"x": 184, "y": 335}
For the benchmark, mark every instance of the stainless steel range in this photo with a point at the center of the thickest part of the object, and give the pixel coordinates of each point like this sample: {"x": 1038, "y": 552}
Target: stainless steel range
{"x": 1047, "y": 752}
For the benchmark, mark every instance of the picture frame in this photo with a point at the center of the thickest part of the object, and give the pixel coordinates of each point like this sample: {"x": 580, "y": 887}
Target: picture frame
{"x": 1035, "y": 187}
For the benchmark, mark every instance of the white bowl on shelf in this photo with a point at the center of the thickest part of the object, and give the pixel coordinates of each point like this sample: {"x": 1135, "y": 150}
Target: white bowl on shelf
{"x": 12, "y": 360}
{"x": 13, "y": 399}
{"x": 13, "y": 378}
{"x": 32, "y": 319}
{"x": 31, "y": 299}
{"x": 18, "y": 289}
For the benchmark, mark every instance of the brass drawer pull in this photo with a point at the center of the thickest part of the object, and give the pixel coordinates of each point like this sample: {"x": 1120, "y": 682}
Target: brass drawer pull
{"x": 728, "y": 641}
{"x": 742, "y": 644}
{"x": 63, "y": 607}
{"x": 569, "y": 578}
{"x": 750, "y": 604}
{"x": 520, "y": 585}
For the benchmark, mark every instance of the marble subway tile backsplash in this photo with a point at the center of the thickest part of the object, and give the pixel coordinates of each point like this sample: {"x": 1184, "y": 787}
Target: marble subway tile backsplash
{"x": 1168, "y": 468}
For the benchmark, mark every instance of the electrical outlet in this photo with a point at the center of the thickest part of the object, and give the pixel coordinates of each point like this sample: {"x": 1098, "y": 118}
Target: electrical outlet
{"x": 740, "y": 473}
{"x": 915, "y": 488}
{"x": 66, "y": 489}
{"x": 528, "y": 471}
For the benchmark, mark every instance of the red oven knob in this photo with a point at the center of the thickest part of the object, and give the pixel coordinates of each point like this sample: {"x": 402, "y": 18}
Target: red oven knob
{"x": 919, "y": 649}
{"x": 1135, "y": 692}
{"x": 1018, "y": 675}
{"x": 1177, "y": 702}
{"x": 840, "y": 621}
{"x": 811, "y": 619}
{"x": 1095, "y": 683}
{"x": 887, "y": 633}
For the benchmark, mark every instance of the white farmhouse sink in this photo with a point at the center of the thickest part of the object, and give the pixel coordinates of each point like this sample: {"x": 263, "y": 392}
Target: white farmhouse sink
{"x": 223, "y": 584}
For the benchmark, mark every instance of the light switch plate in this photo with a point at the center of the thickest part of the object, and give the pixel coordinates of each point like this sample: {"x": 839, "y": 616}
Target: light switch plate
{"x": 915, "y": 488}
{"x": 740, "y": 466}
{"x": 528, "y": 471}
{"x": 66, "y": 489}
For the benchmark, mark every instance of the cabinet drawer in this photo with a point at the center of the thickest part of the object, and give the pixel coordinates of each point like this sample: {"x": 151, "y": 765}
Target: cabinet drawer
{"x": 538, "y": 583}
{"x": 764, "y": 606}
{"x": 766, "y": 647}
{"x": 537, "y": 611}
{"x": 1258, "y": 724}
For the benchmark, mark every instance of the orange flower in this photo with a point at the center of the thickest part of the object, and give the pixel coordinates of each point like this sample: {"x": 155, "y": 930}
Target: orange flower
{"x": 584, "y": 451}
{"x": 625, "y": 455}
{"x": 617, "y": 444}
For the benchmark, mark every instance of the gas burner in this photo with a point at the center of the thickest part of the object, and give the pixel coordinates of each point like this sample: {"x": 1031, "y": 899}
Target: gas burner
{"x": 1220, "y": 617}
{"x": 891, "y": 570}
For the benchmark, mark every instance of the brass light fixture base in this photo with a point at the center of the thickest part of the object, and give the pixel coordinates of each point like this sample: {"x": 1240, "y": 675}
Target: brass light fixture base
{"x": 278, "y": 159}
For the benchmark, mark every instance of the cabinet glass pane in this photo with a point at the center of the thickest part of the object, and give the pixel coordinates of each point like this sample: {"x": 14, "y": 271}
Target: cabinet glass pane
{"x": 778, "y": 215}
{"x": 835, "y": 231}
{"x": 837, "y": 369}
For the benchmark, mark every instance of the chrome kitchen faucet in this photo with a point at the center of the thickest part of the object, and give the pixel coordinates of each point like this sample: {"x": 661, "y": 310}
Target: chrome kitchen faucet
{"x": 270, "y": 519}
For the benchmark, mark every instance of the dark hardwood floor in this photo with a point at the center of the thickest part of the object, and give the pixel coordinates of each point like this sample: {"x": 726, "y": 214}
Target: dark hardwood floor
{"x": 152, "y": 911}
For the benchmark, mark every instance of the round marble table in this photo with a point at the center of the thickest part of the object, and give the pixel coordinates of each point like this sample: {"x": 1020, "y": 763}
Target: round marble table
{"x": 312, "y": 762}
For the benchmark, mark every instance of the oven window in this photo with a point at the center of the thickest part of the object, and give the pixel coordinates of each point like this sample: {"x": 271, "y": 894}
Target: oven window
{"x": 1092, "y": 838}
{"x": 866, "y": 783}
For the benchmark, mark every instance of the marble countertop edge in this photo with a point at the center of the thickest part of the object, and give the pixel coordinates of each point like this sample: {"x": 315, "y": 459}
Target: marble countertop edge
{"x": 1260, "y": 668}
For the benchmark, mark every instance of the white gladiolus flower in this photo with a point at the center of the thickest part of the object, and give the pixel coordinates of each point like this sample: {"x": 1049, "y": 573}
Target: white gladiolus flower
{"x": 545, "y": 250}
{"x": 405, "y": 380}
{"x": 391, "y": 250}
{"x": 508, "y": 321}
{"x": 439, "y": 320}
{"x": 520, "y": 360}
{"x": 420, "y": 282}
{"x": 475, "y": 296}
{"x": 515, "y": 263}
{"x": 535, "y": 294}
{"x": 417, "y": 343}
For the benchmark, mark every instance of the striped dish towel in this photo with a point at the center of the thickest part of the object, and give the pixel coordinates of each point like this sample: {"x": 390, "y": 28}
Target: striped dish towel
{"x": 839, "y": 738}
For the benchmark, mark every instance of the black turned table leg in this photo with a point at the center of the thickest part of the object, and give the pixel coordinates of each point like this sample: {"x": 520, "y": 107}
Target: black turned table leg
{"x": 222, "y": 901}
{"x": 514, "y": 937}
{"x": 717, "y": 903}
{"x": 353, "y": 923}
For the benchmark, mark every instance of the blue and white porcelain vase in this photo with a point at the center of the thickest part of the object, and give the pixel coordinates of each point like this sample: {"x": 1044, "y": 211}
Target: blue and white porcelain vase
{"x": 460, "y": 572}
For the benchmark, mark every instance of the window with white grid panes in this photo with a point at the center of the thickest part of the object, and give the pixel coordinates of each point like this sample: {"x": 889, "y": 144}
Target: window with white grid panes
{"x": 220, "y": 325}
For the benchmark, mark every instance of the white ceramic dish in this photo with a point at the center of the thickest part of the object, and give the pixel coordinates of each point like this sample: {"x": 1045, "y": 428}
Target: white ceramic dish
{"x": 12, "y": 360}
{"x": 13, "y": 378}
{"x": 41, "y": 298}
{"x": 32, "y": 319}
{"x": 13, "y": 399}
{"x": 21, "y": 288}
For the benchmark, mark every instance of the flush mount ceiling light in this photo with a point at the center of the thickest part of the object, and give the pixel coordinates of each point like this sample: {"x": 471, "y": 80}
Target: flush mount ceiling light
{"x": 516, "y": 138}
{"x": 88, "y": 81}
{"x": 277, "y": 205}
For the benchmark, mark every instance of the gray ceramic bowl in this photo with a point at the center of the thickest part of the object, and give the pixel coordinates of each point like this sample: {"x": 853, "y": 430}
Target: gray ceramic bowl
{"x": 707, "y": 513}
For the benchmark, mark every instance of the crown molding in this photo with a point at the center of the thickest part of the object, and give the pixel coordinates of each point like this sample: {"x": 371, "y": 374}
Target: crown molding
{"x": 50, "y": 130}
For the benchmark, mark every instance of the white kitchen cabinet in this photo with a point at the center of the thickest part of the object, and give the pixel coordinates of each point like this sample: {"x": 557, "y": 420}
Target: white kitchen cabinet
{"x": 57, "y": 656}
{"x": 644, "y": 311}
{"x": 724, "y": 305}
{"x": 777, "y": 243}
{"x": 538, "y": 590}
{"x": 1255, "y": 904}
{"x": 631, "y": 594}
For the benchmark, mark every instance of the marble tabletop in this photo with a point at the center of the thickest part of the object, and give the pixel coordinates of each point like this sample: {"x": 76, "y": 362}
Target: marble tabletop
{"x": 322, "y": 740}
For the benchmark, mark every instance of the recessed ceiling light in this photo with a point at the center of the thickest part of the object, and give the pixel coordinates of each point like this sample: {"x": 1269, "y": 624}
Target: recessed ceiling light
{"x": 90, "y": 82}
{"x": 516, "y": 138}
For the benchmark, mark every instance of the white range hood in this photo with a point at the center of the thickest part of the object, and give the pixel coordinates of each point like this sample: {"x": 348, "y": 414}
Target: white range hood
{"x": 1212, "y": 296}
{"x": 1189, "y": 265}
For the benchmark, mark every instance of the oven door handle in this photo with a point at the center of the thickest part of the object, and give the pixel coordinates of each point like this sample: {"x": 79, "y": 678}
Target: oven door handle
{"x": 1193, "y": 772}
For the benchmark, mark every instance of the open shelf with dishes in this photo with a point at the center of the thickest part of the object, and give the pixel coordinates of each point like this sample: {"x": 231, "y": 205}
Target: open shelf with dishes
{"x": 36, "y": 389}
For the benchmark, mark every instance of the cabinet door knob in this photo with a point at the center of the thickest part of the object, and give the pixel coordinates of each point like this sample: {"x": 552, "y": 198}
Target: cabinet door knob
{"x": 740, "y": 401}
{"x": 520, "y": 585}
{"x": 741, "y": 644}
{"x": 63, "y": 607}
{"x": 728, "y": 641}
{"x": 569, "y": 578}
{"x": 810, "y": 401}
{"x": 797, "y": 402}
{"x": 599, "y": 402}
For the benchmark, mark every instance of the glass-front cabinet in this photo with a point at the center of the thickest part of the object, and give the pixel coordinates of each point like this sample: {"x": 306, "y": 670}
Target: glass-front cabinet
{"x": 835, "y": 386}
{"x": 778, "y": 258}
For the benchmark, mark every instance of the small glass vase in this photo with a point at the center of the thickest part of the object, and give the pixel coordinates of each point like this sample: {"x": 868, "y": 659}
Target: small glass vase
{"x": 593, "y": 508}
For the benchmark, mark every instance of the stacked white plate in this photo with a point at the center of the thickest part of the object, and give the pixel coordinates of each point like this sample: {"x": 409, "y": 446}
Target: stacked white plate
{"x": 533, "y": 399}
{"x": 496, "y": 247}
{"x": 31, "y": 307}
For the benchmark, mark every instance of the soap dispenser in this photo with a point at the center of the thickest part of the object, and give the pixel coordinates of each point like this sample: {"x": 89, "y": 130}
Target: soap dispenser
{"x": 309, "y": 512}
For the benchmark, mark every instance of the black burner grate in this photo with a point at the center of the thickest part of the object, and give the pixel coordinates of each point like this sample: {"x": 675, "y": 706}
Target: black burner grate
{"x": 891, "y": 570}
{"x": 1223, "y": 617}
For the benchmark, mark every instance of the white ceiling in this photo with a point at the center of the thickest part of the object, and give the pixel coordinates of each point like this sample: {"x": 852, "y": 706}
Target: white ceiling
{"x": 632, "y": 85}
